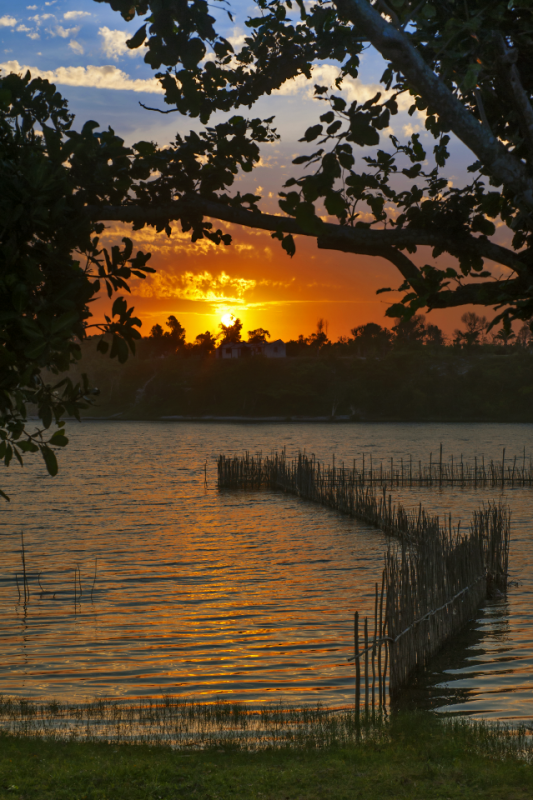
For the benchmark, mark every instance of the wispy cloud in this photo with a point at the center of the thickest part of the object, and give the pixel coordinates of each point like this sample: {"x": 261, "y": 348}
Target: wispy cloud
{"x": 75, "y": 14}
{"x": 40, "y": 18}
{"x": 63, "y": 32}
{"x": 76, "y": 47}
{"x": 107, "y": 77}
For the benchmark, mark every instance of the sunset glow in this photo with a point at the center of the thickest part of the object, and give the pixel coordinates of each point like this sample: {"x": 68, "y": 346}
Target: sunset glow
{"x": 227, "y": 319}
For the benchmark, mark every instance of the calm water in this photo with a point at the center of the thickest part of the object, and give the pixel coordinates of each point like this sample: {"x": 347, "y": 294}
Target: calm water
{"x": 203, "y": 593}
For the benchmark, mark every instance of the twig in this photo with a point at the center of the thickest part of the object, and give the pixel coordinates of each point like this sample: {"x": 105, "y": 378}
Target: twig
{"x": 159, "y": 110}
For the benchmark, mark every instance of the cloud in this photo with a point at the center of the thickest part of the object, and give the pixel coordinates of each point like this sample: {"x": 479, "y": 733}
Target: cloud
{"x": 7, "y": 22}
{"x": 351, "y": 88}
{"x": 199, "y": 287}
{"x": 76, "y": 46}
{"x": 39, "y": 18}
{"x": 325, "y": 73}
{"x": 409, "y": 129}
{"x": 34, "y": 35}
{"x": 74, "y": 14}
{"x": 31, "y": 8}
{"x": 107, "y": 77}
{"x": 23, "y": 28}
{"x": 66, "y": 32}
{"x": 63, "y": 32}
{"x": 114, "y": 44}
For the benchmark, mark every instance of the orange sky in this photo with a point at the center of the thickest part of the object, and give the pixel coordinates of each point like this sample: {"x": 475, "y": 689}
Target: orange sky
{"x": 255, "y": 280}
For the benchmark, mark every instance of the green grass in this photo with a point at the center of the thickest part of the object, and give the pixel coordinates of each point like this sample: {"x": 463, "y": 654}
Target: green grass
{"x": 412, "y": 756}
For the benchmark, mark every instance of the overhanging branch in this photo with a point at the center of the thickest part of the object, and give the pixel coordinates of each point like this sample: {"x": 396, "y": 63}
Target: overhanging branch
{"x": 329, "y": 235}
{"x": 396, "y": 47}
{"x": 385, "y": 243}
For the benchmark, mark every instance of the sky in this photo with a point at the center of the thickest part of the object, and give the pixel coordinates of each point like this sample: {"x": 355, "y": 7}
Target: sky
{"x": 80, "y": 46}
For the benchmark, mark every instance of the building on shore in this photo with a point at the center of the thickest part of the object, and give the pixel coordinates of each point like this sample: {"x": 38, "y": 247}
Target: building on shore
{"x": 274, "y": 349}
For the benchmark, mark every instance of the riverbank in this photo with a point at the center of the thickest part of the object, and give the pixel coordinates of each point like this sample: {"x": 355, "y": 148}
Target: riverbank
{"x": 424, "y": 385}
{"x": 416, "y": 756}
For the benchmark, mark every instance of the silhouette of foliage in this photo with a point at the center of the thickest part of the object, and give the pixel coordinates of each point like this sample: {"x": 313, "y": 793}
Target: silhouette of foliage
{"x": 357, "y": 189}
{"x": 52, "y": 266}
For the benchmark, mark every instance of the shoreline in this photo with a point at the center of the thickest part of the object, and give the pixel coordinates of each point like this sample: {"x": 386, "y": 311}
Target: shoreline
{"x": 298, "y": 420}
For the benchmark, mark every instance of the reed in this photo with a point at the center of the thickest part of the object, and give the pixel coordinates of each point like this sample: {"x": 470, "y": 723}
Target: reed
{"x": 183, "y": 723}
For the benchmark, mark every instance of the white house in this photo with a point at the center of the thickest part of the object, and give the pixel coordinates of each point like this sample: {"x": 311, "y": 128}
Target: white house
{"x": 275, "y": 349}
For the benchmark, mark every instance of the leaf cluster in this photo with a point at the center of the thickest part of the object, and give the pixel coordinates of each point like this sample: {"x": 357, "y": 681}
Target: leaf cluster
{"x": 51, "y": 265}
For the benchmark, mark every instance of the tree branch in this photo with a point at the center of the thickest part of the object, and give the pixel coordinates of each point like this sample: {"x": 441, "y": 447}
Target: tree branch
{"x": 386, "y": 9}
{"x": 159, "y": 110}
{"x": 520, "y": 97}
{"x": 486, "y": 293}
{"x": 396, "y": 47}
{"x": 481, "y": 108}
{"x": 361, "y": 241}
{"x": 329, "y": 236}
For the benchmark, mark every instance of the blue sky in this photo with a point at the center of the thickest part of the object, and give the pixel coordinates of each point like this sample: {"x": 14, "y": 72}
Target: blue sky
{"x": 81, "y": 47}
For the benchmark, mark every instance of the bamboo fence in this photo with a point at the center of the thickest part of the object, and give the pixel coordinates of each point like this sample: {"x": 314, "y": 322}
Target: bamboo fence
{"x": 514, "y": 472}
{"x": 435, "y": 576}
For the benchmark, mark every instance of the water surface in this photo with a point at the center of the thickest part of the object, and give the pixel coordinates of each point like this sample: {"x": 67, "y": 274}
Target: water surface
{"x": 201, "y": 592}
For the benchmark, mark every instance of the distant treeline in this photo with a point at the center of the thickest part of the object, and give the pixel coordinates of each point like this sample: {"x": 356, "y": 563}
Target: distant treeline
{"x": 415, "y": 381}
{"x": 369, "y": 340}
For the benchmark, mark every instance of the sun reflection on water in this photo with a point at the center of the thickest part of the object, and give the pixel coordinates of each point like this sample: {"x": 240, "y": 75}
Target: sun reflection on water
{"x": 203, "y": 593}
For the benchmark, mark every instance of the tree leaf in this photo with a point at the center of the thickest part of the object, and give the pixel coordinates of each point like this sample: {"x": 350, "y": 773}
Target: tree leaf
{"x": 49, "y": 459}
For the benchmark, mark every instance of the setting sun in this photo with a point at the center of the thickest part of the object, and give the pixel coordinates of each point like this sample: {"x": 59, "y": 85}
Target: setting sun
{"x": 227, "y": 319}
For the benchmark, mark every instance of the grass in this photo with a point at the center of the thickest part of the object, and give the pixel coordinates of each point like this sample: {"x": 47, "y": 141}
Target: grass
{"x": 412, "y": 755}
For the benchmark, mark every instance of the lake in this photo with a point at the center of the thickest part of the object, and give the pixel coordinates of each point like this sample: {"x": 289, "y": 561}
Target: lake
{"x": 204, "y": 593}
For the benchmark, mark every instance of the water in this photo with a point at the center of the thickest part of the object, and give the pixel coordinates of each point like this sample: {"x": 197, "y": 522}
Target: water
{"x": 202, "y": 593}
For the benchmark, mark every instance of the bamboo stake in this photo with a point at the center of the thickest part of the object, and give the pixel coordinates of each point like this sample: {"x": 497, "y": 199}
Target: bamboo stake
{"x": 366, "y": 665}
{"x": 357, "y": 663}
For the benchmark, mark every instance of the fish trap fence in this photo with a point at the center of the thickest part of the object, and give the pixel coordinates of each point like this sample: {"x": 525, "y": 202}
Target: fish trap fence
{"x": 435, "y": 576}
{"x": 240, "y": 472}
{"x": 434, "y": 588}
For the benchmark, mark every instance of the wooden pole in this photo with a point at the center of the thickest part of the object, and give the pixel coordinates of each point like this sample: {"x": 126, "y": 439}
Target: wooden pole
{"x": 374, "y": 649}
{"x": 366, "y": 665}
{"x": 380, "y": 634}
{"x": 357, "y": 663}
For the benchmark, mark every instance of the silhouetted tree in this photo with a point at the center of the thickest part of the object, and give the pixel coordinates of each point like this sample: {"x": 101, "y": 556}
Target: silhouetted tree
{"x": 205, "y": 343}
{"x": 157, "y": 332}
{"x": 176, "y": 335}
{"x": 231, "y": 334}
{"x": 297, "y": 347}
{"x": 371, "y": 339}
{"x": 505, "y": 334}
{"x": 410, "y": 331}
{"x": 320, "y": 337}
{"x": 259, "y": 336}
{"x": 476, "y": 328}
{"x": 434, "y": 336}
{"x": 524, "y": 337}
